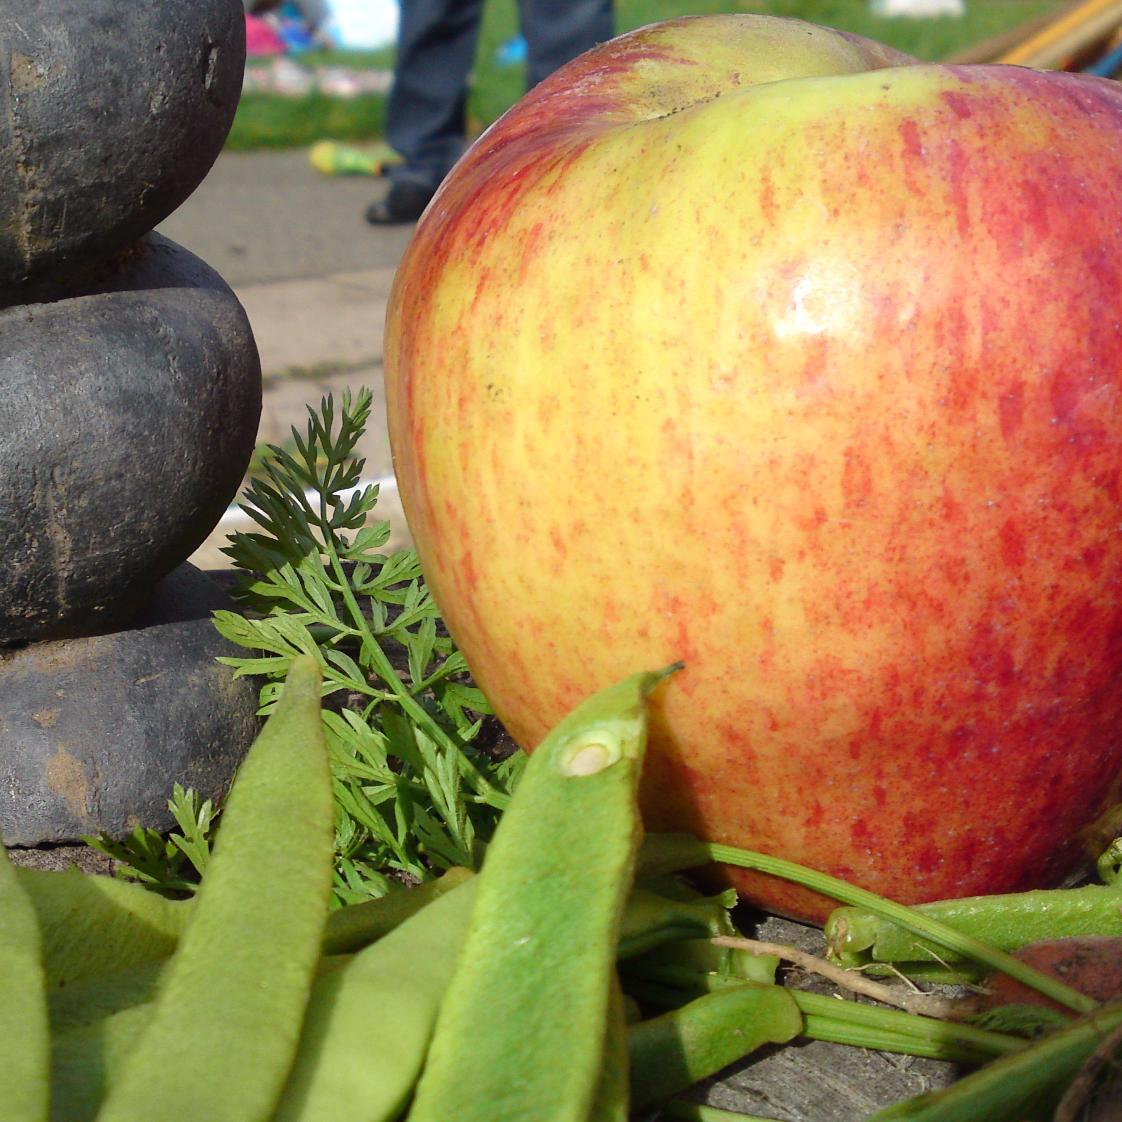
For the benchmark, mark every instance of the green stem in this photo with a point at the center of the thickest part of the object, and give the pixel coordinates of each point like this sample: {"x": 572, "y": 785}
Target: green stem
{"x": 848, "y": 1022}
{"x": 937, "y": 932}
{"x": 1025, "y": 1084}
{"x": 975, "y": 1045}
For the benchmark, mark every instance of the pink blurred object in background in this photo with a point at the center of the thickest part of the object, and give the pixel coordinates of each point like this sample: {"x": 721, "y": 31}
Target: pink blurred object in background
{"x": 260, "y": 38}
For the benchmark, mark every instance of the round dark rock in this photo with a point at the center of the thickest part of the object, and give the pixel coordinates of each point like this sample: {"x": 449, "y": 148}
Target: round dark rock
{"x": 129, "y": 417}
{"x": 95, "y": 732}
{"x": 111, "y": 114}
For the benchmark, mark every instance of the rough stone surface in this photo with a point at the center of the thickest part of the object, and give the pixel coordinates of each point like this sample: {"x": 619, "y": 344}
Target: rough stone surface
{"x": 59, "y": 858}
{"x": 111, "y": 114}
{"x": 129, "y": 416}
{"x": 94, "y": 732}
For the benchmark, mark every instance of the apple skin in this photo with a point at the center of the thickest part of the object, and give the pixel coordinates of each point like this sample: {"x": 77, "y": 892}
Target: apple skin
{"x": 815, "y": 385}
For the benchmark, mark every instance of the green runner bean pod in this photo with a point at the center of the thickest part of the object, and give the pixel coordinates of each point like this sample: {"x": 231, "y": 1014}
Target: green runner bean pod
{"x": 703, "y": 955}
{"x": 87, "y": 1059}
{"x": 521, "y": 1034}
{"x": 355, "y": 926}
{"x": 91, "y": 999}
{"x": 611, "y": 1102}
{"x": 228, "y": 1014}
{"x": 652, "y": 920}
{"x": 368, "y": 1024}
{"x": 678, "y": 1049}
{"x": 99, "y": 925}
{"x": 131, "y": 944}
{"x": 24, "y": 1049}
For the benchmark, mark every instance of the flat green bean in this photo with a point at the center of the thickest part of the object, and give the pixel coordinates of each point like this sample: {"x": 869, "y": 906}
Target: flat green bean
{"x": 228, "y": 1014}
{"x": 672, "y": 941}
{"x": 24, "y": 1049}
{"x": 368, "y": 1024}
{"x": 678, "y": 1049}
{"x": 91, "y": 999}
{"x": 355, "y": 926}
{"x": 87, "y": 1059}
{"x": 611, "y": 1101}
{"x": 521, "y": 1033}
{"x": 100, "y": 925}
{"x": 108, "y": 942}
{"x": 652, "y": 920}
{"x": 91, "y": 1047}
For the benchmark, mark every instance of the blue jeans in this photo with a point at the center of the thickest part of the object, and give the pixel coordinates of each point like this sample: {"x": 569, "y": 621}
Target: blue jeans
{"x": 436, "y": 44}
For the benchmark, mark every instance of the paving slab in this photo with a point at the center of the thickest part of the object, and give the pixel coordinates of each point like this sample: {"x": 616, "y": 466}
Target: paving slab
{"x": 314, "y": 279}
{"x": 306, "y": 325}
{"x": 270, "y": 216}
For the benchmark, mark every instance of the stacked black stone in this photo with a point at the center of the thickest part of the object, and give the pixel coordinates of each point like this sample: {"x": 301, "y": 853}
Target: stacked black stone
{"x": 130, "y": 392}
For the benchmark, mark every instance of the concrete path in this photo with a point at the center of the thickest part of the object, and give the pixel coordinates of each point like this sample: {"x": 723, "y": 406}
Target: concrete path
{"x": 314, "y": 278}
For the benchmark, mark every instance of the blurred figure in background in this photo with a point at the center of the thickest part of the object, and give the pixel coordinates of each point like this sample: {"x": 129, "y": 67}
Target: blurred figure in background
{"x": 436, "y": 43}
{"x": 312, "y": 12}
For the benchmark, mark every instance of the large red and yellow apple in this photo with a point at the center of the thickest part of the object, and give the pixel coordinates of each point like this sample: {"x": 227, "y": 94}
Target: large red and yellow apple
{"x": 760, "y": 346}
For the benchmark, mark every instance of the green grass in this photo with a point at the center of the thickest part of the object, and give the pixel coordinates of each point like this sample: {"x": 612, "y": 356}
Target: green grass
{"x": 268, "y": 121}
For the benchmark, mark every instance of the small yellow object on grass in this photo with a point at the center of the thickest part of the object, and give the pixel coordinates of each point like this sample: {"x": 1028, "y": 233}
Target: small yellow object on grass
{"x": 332, "y": 158}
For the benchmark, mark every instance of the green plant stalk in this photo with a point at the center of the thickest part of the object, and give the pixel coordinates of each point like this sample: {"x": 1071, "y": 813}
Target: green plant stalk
{"x": 974, "y": 1045}
{"x": 851, "y": 1022}
{"x": 1005, "y": 922}
{"x": 905, "y": 917}
{"x": 1025, "y": 1085}
{"x": 835, "y": 1030}
{"x": 24, "y": 1034}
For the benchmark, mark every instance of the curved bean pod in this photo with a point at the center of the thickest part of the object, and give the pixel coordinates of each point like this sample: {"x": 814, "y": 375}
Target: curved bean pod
{"x": 521, "y": 1033}
{"x": 98, "y": 925}
{"x": 24, "y": 1051}
{"x": 368, "y": 1024}
{"x": 228, "y": 1015}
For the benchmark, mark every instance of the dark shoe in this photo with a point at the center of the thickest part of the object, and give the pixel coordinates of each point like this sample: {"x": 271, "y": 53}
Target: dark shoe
{"x": 403, "y": 203}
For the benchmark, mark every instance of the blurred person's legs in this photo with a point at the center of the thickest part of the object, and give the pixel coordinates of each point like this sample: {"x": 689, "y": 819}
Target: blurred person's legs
{"x": 427, "y": 112}
{"x": 426, "y": 115}
{"x": 556, "y": 31}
